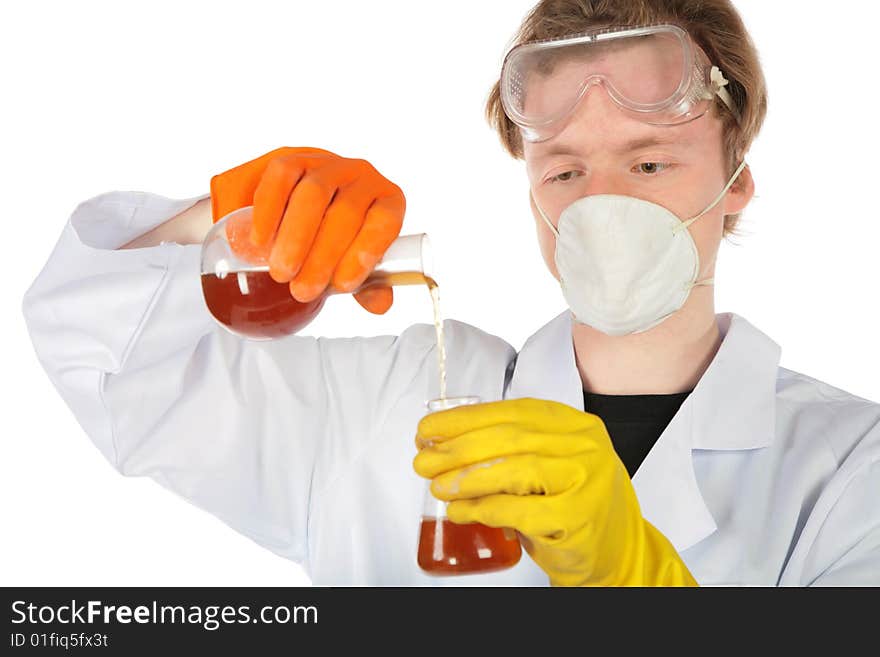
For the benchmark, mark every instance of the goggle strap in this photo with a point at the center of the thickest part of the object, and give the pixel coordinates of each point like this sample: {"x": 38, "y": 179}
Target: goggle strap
{"x": 719, "y": 82}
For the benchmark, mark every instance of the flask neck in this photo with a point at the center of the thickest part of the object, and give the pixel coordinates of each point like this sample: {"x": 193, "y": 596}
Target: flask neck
{"x": 407, "y": 261}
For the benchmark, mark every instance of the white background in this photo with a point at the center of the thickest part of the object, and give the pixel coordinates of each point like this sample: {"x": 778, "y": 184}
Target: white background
{"x": 104, "y": 95}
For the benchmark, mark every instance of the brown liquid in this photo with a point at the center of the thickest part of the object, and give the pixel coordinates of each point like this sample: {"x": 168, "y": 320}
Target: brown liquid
{"x": 449, "y": 549}
{"x": 255, "y": 305}
{"x": 417, "y": 278}
{"x": 398, "y": 278}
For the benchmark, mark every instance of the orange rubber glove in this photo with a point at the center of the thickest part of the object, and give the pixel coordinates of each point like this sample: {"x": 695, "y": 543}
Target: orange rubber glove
{"x": 332, "y": 217}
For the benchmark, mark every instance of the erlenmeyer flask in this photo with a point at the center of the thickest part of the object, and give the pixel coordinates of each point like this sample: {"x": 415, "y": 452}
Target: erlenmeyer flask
{"x": 446, "y": 548}
{"x": 245, "y": 300}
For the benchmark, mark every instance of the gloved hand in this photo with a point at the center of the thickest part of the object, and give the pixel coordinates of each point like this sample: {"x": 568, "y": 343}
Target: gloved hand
{"x": 335, "y": 217}
{"x": 550, "y": 472}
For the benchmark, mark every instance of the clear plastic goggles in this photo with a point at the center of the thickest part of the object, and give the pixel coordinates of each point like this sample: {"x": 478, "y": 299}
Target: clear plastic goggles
{"x": 656, "y": 74}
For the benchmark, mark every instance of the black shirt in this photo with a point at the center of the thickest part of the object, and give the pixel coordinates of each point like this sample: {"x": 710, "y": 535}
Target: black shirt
{"x": 634, "y": 422}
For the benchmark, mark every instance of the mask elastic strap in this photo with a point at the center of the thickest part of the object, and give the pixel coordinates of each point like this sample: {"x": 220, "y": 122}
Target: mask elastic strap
{"x": 686, "y": 224}
{"x": 682, "y": 226}
{"x": 543, "y": 216}
{"x": 707, "y": 282}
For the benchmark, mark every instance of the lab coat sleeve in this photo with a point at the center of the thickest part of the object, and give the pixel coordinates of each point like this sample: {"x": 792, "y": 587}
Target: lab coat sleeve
{"x": 840, "y": 544}
{"x": 231, "y": 425}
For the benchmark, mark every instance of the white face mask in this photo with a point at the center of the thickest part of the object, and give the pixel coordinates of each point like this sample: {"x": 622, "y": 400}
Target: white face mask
{"x": 626, "y": 264}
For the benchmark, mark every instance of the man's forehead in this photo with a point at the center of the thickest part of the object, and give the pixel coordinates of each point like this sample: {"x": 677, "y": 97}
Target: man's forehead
{"x": 583, "y": 143}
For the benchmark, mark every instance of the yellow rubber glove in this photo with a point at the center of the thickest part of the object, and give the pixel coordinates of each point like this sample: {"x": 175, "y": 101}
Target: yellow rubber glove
{"x": 550, "y": 472}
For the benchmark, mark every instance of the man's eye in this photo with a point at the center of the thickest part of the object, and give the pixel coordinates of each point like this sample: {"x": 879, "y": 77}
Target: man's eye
{"x": 651, "y": 168}
{"x": 565, "y": 176}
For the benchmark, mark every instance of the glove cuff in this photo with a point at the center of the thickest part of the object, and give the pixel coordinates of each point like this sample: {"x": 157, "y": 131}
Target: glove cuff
{"x": 662, "y": 566}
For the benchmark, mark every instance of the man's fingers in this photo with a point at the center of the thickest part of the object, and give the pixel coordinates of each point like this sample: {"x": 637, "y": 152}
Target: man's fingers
{"x": 235, "y": 188}
{"x": 271, "y": 196}
{"x": 376, "y": 299}
{"x": 304, "y": 214}
{"x": 340, "y": 226}
{"x": 381, "y": 227}
{"x": 532, "y": 515}
{"x": 527, "y": 474}
{"x": 500, "y": 440}
{"x": 535, "y": 414}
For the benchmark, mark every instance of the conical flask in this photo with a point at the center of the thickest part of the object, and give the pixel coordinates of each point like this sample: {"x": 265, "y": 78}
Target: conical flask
{"x": 447, "y": 548}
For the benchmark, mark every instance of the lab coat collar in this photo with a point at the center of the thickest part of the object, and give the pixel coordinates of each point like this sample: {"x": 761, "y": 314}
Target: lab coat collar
{"x": 731, "y": 408}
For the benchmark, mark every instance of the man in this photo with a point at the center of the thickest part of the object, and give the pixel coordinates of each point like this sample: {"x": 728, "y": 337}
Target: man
{"x": 634, "y": 119}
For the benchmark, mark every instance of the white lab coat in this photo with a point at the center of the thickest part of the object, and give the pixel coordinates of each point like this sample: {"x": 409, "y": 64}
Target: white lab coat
{"x": 763, "y": 477}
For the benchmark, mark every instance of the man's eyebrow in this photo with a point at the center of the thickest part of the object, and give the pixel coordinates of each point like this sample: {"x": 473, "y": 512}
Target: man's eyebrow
{"x": 636, "y": 144}
{"x": 560, "y": 149}
{"x": 654, "y": 140}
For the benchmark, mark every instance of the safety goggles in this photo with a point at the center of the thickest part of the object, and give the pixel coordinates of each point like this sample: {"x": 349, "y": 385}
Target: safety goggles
{"x": 656, "y": 74}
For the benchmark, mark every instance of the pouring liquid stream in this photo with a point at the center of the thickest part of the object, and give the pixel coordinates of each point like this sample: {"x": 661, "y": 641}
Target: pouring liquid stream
{"x": 434, "y": 289}
{"x": 414, "y": 278}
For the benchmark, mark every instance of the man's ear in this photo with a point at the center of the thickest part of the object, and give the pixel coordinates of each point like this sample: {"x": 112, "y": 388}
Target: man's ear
{"x": 740, "y": 193}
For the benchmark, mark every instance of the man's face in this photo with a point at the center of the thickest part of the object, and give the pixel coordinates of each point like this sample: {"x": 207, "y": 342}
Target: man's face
{"x": 602, "y": 150}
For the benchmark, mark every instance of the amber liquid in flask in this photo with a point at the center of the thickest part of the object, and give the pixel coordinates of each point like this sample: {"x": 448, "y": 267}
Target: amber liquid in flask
{"x": 243, "y": 298}
{"x": 447, "y": 548}
{"x": 252, "y": 304}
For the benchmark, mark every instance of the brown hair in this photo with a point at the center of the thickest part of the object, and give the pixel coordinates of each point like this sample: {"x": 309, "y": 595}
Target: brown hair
{"x": 715, "y": 25}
